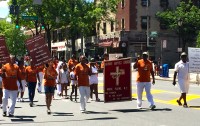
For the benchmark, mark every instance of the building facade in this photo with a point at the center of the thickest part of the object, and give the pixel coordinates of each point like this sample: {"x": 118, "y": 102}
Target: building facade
{"x": 135, "y": 23}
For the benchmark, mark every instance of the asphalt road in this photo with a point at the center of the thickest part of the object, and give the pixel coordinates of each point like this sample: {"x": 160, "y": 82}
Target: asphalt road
{"x": 65, "y": 112}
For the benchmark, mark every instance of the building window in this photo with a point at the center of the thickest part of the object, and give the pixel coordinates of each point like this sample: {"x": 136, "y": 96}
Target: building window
{"x": 123, "y": 23}
{"x": 163, "y": 25}
{"x": 104, "y": 28}
{"x": 145, "y": 2}
{"x": 122, "y": 3}
{"x": 98, "y": 27}
{"x": 112, "y": 26}
{"x": 144, "y": 22}
{"x": 55, "y": 36}
{"x": 164, "y": 3}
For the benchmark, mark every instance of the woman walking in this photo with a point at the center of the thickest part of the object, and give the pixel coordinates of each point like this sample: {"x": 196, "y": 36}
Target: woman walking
{"x": 64, "y": 79}
{"x": 74, "y": 84}
{"x": 50, "y": 76}
{"x": 31, "y": 78}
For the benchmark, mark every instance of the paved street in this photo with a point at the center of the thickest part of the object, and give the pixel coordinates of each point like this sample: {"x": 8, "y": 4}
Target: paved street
{"x": 65, "y": 112}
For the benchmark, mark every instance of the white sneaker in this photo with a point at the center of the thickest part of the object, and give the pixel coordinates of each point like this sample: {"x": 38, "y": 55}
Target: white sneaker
{"x": 139, "y": 107}
{"x": 18, "y": 99}
{"x": 21, "y": 100}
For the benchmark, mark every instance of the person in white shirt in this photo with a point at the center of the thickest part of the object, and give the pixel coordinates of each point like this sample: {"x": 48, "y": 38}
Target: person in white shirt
{"x": 64, "y": 79}
{"x": 58, "y": 86}
{"x": 182, "y": 69}
{"x": 74, "y": 84}
{"x": 93, "y": 79}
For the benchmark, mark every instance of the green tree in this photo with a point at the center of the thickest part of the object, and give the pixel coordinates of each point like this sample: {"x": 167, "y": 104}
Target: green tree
{"x": 79, "y": 16}
{"x": 14, "y": 38}
{"x": 198, "y": 40}
{"x": 189, "y": 14}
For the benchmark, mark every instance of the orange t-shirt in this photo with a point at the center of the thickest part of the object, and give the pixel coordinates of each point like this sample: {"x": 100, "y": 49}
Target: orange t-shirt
{"x": 72, "y": 63}
{"x": 144, "y": 70}
{"x": 40, "y": 68}
{"x": 9, "y": 82}
{"x": 50, "y": 77}
{"x": 22, "y": 73}
{"x": 31, "y": 74}
{"x": 82, "y": 73}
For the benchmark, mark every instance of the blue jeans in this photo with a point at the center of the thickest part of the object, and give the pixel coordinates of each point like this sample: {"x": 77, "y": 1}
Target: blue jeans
{"x": 31, "y": 90}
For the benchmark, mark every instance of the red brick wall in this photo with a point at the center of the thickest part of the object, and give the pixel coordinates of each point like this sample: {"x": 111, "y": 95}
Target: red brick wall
{"x": 128, "y": 13}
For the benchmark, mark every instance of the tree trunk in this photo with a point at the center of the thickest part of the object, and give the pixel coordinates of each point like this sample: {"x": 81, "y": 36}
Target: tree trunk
{"x": 73, "y": 45}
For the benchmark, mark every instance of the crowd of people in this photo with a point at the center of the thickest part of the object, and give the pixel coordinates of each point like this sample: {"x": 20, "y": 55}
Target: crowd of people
{"x": 82, "y": 76}
{"x": 57, "y": 75}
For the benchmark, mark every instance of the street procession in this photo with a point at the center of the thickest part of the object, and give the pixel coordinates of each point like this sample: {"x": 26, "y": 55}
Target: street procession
{"x": 100, "y": 62}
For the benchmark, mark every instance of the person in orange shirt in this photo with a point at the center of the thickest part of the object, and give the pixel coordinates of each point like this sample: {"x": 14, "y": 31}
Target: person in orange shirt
{"x": 72, "y": 62}
{"x": 82, "y": 72}
{"x": 39, "y": 80}
{"x": 22, "y": 75}
{"x": 31, "y": 78}
{"x": 50, "y": 75}
{"x": 10, "y": 75}
{"x": 145, "y": 68}
{"x": 105, "y": 57}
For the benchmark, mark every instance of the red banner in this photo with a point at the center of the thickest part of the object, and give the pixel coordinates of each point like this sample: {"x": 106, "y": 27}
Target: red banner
{"x": 117, "y": 80}
{"x": 38, "y": 50}
{"x": 4, "y": 55}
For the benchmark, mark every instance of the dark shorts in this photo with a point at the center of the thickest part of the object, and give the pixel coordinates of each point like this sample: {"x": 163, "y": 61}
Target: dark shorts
{"x": 49, "y": 89}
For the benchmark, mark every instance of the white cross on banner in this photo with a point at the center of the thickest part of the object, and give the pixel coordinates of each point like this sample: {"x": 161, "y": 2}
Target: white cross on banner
{"x": 117, "y": 80}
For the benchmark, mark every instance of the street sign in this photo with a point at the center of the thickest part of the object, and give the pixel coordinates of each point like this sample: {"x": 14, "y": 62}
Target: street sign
{"x": 29, "y": 17}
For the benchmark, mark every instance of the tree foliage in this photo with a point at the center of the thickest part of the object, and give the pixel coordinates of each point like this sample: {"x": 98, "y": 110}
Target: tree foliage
{"x": 189, "y": 15}
{"x": 14, "y": 38}
{"x": 79, "y": 16}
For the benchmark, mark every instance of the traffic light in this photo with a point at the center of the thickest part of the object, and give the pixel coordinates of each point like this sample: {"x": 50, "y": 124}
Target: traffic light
{"x": 42, "y": 24}
{"x": 17, "y": 24}
{"x": 12, "y": 9}
{"x": 16, "y": 9}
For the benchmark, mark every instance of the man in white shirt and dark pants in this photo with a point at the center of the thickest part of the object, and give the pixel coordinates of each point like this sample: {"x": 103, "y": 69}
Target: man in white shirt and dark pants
{"x": 182, "y": 69}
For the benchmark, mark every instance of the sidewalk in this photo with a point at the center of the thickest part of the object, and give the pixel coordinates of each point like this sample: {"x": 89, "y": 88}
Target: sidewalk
{"x": 171, "y": 74}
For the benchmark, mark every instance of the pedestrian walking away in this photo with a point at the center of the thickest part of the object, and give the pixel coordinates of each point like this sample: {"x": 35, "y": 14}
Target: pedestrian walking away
{"x": 74, "y": 84}
{"x": 182, "y": 69}
{"x": 31, "y": 78}
{"x": 82, "y": 71}
{"x": 22, "y": 75}
{"x": 93, "y": 79}
{"x": 50, "y": 75}
{"x": 143, "y": 81}
{"x": 10, "y": 75}
{"x": 64, "y": 79}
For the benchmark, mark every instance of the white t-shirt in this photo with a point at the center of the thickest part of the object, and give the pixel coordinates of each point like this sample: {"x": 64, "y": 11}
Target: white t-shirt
{"x": 64, "y": 76}
{"x": 72, "y": 76}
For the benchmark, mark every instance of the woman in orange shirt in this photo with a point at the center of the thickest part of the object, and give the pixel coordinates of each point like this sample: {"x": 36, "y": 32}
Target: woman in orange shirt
{"x": 50, "y": 75}
{"x": 31, "y": 79}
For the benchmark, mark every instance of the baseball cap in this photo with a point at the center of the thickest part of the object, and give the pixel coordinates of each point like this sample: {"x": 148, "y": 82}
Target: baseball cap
{"x": 183, "y": 54}
{"x": 144, "y": 53}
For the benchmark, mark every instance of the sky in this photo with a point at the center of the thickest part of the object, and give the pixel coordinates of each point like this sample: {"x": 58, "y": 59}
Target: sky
{"x": 4, "y": 10}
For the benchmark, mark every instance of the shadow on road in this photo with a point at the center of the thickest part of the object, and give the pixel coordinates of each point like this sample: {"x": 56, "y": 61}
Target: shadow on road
{"x": 103, "y": 118}
{"x": 23, "y": 118}
{"x": 130, "y": 110}
{"x": 62, "y": 114}
{"x": 93, "y": 112}
{"x": 194, "y": 106}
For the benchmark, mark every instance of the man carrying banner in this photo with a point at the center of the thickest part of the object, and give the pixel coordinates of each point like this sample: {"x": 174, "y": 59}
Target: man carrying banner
{"x": 182, "y": 69}
{"x": 145, "y": 68}
{"x": 10, "y": 75}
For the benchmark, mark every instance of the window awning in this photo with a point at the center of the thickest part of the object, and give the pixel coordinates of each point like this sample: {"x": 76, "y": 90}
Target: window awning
{"x": 105, "y": 44}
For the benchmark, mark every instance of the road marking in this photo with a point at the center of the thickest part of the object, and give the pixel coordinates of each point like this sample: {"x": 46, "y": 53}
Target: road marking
{"x": 190, "y": 97}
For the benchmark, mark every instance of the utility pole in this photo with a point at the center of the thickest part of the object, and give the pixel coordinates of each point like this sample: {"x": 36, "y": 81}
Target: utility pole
{"x": 147, "y": 9}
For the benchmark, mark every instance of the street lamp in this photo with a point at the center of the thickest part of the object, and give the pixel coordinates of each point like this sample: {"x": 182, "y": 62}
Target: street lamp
{"x": 180, "y": 22}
